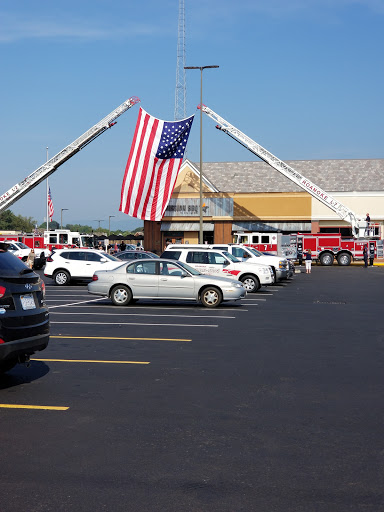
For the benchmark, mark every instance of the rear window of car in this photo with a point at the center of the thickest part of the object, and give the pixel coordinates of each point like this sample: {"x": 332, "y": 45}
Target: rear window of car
{"x": 171, "y": 255}
{"x": 11, "y": 265}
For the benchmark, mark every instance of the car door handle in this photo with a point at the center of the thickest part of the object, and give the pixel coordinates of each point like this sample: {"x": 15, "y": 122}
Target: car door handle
{"x": 163, "y": 278}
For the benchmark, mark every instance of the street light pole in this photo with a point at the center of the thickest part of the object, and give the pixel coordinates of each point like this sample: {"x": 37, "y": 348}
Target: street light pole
{"x": 109, "y": 224}
{"x": 201, "y": 232}
{"x": 61, "y": 221}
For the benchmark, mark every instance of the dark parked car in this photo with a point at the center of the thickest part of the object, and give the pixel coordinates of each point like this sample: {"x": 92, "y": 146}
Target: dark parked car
{"x": 24, "y": 318}
{"x": 135, "y": 255}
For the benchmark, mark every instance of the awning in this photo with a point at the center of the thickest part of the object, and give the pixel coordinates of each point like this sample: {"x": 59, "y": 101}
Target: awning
{"x": 186, "y": 226}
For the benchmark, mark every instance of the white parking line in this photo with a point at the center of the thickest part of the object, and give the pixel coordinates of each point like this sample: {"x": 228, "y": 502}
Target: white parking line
{"x": 136, "y": 323}
{"x": 111, "y": 306}
{"x": 75, "y": 303}
{"x": 139, "y": 314}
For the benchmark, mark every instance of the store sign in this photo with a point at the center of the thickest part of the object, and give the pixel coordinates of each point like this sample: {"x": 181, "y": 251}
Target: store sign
{"x": 190, "y": 207}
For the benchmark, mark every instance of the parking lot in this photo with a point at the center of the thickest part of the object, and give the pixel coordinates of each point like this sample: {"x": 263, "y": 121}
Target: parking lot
{"x": 273, "y": 403}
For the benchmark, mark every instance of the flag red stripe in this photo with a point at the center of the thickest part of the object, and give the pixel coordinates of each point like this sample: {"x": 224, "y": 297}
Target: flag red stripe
{"x": 157, "y": 190}
{"x": 167, "y": 195}
{"x": 137, "y": 162}
{"x": 147, "y": 168}
{"x": 123, "y": 207}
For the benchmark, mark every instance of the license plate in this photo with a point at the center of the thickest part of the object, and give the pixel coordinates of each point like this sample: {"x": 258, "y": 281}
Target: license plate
{"x": 27, "y": 301}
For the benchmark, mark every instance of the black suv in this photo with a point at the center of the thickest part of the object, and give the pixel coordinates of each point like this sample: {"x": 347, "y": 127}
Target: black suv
{"x": 24, "y": 318}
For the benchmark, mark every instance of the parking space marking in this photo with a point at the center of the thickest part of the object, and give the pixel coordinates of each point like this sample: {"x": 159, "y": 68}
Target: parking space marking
{"x": 117, "y": 338}
{"x": 75, "y": 303}
{"x": 142, "y": 306}
{"x": 88, "y": 361}
{"x": 135, "y": 323}
{"x": 71, "y": 313}
{"x": 45, "y": 407}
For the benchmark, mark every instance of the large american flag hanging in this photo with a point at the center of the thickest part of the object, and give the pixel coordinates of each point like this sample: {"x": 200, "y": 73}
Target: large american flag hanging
{"x": 51, "y": 211}
{"x": 154, "y": 161}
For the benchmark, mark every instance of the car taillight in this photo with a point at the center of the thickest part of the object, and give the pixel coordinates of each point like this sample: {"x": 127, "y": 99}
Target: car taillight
{"x": 95, "y": 278}
{"x": 43, "y": 287}
{"x": 2, "y": 291}
{"x": 49, "y": 258}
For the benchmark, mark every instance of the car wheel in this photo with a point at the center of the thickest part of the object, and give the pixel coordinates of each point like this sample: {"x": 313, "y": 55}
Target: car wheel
{"x": 211, "y": 297}
{"x": 344, "y": 259}
{"x": 121, "y": 295}
{"x": 61, "y": 277}
{"x": 326, "y": 259}
{"x": 251, "y": 283}
{"x": 5, "y": 366}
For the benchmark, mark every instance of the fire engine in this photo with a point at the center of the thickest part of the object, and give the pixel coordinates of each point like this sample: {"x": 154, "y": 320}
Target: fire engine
{"x": 21, "y": 244}
{"x": 325, "y": 247}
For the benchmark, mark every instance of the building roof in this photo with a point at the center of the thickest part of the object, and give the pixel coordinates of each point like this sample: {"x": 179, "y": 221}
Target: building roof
{"x": 330, "y": 175}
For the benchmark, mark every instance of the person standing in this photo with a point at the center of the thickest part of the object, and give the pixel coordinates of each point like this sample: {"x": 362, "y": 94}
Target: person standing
{"x": 365, "y": 256}
{"x": 308, "y": 261}
{"x": 31, "y": 258}
{"x": 368, "y": 221}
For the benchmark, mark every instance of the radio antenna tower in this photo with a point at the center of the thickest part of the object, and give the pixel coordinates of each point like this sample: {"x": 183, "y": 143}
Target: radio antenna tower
{"x": 181, "y": 88}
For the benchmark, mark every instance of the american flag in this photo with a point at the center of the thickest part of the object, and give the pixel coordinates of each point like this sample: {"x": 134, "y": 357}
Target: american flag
{"x": 154, "y": 161}
{"x": 51, "y": 211}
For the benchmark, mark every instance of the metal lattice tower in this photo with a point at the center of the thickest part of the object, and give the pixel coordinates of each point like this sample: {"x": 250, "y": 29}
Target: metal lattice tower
{"x": 181, "y": 88}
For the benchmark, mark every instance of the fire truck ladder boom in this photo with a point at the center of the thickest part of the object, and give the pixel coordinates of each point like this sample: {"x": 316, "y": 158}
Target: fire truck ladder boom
{"x": 40, "y": 174}
{"x": 357, "y": 223}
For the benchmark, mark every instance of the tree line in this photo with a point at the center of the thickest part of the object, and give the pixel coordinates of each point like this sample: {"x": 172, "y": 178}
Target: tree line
{"x": 11, "y": 222}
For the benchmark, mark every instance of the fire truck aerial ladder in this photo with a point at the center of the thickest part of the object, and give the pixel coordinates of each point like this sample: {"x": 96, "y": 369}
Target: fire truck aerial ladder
{"x": 40, "y": 174}
{"x": 357, "y": 223}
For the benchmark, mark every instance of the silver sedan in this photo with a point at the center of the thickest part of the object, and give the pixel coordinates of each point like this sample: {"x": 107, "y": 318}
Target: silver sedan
{"x": 163, "y": 279}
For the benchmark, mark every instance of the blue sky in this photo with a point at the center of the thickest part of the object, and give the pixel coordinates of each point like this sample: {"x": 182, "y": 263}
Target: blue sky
{"x": 304, "y": 78}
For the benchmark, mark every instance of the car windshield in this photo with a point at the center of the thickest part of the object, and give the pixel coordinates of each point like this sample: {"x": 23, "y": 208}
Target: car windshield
{"x": 21, "y": 245}
{"x": 110, "y": 257}
{"x": 255, "y": 251}
{"x": 191, "y": 270}
{"x": 87, "y": 240}
{"x": 230, "y": 257}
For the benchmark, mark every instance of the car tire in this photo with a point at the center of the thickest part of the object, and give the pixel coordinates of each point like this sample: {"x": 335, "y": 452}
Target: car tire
{"x": 251, "y": 283}
{"x": 121, "y": 295}
{"x": 7, "y": 365}
{"x": 211, "y": 297}
{"x": 61, "y": 277}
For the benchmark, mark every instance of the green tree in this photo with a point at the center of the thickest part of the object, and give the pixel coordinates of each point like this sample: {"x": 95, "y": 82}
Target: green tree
{"x": 11, "y": 222}
{"x": 52, "y": 225}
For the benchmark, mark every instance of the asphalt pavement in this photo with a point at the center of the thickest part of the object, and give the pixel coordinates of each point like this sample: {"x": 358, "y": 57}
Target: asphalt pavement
{"x": 272, "y": 404}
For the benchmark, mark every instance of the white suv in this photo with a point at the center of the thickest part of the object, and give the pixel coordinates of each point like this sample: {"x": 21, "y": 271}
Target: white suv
{"x": 222, "y": 263}
{"x": 65, "y": 265}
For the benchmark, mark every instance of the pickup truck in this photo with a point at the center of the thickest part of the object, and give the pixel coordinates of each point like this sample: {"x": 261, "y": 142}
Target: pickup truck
{"x": 280, "y": 266}
{"x": 222, "y": 263}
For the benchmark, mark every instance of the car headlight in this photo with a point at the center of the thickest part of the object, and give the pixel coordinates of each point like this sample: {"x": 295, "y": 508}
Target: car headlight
{"x": 266, "y": 270}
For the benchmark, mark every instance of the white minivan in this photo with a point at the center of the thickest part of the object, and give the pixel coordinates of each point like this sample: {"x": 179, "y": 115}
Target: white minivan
{"x": 222, "y": 263}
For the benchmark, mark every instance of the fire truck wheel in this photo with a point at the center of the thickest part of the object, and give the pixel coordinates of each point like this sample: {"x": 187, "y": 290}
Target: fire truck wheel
{"x": 251, "y": 283}
{"x": 61, "y": 277}
{"x": 344, "y": 259}
{"x": 326, "y": 259}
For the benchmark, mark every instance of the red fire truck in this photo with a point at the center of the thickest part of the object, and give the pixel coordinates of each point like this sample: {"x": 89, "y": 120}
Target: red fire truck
{"x": 20, "y": 244}
{"x": 326, "y": 247}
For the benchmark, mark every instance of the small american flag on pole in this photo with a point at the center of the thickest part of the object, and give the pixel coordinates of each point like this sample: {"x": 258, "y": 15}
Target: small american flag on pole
{"x": 51, "y": 211}
{"x": 154, "y": 161}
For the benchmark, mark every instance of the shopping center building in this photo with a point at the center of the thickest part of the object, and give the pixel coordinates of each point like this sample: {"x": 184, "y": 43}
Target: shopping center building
{"x": 252, "y": 196}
